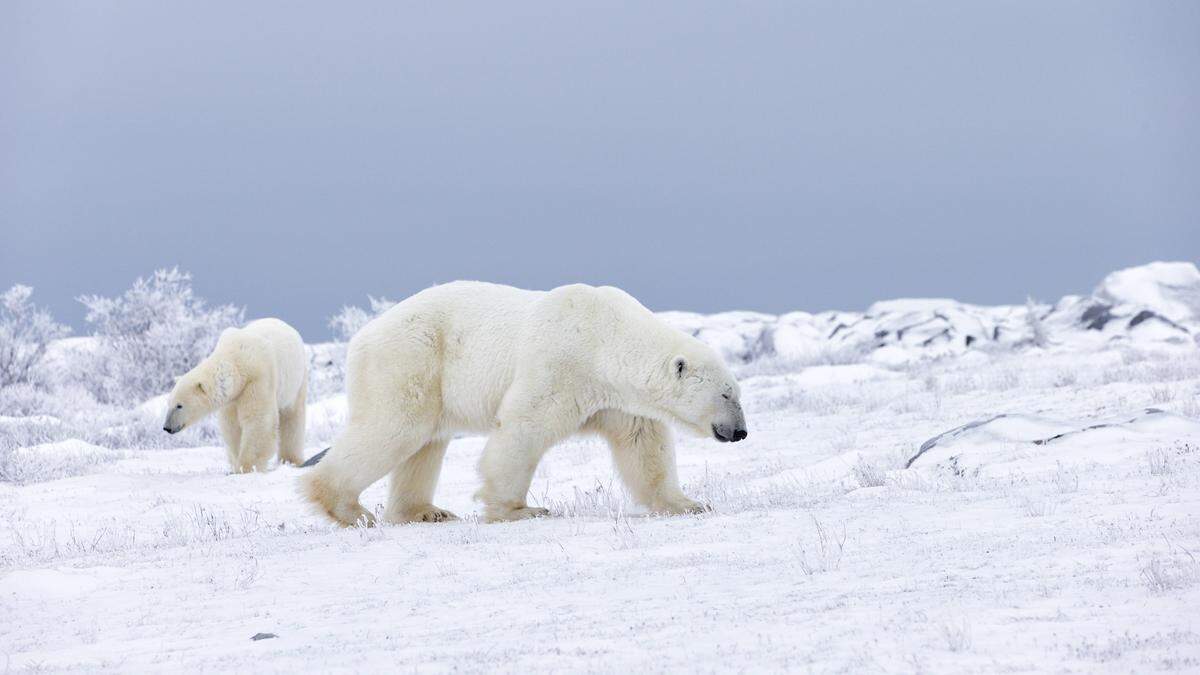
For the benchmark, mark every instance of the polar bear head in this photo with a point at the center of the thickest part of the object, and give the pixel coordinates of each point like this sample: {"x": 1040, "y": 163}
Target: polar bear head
{"x": 702, "y": 395}
{"x": 210, "y": 385}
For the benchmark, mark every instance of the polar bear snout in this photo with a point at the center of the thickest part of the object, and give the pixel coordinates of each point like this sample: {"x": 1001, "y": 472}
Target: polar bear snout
{"x": 174, "y": 421}
{"x": 729, "y": 434}
{"x": 729, "y": 422}
{"x": 733, "y": 428}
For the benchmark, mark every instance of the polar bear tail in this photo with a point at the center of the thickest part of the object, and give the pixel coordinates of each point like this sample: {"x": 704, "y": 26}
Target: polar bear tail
{"x": 311, "y": 461}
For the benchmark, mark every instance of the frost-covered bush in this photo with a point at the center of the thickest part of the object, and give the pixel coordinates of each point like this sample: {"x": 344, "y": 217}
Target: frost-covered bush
{"x": 869, "y": 474}
{"x": 151, "y": 334}
{"x": 779, "y": 365}
{"x": 23, "y": 399}
{"x": 1033, "y": 322}
{"x": 36, "y": 448}
{"x": 347, "y": 322}
{"x": 326, "y": 369}
{"x": 51, "y": 461}
{"x": 141, "y": 429}
{"x": 25, "y": 330}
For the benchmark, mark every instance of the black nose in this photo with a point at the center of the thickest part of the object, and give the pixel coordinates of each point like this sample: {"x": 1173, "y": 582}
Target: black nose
{"x": 169, "y": 430}
{"x": 725, "y": 435}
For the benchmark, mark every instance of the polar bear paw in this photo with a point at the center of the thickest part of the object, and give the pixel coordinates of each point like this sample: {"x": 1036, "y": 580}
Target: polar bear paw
{"x": 251, "y": 466}
{"x": 433, "y": 514}
{"x": 425, "y": 513}
{"x": 503, "y": 514}
{"x": 682, "y": 506}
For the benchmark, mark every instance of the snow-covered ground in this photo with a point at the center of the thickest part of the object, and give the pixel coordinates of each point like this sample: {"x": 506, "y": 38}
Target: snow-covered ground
{"x": 934, "y": 505}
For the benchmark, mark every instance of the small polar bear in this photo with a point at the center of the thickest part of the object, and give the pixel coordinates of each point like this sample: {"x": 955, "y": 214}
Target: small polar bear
{"x": 257, "y": 378}
{"x": 528, "y": 368}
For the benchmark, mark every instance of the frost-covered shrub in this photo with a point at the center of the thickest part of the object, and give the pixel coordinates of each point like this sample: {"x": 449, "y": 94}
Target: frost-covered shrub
{"x": 25, "y": 330}
{"x": 779, "y": 365}
{"x": 22, "y": 432}
{"x": 1033, "y": 321}
{"x": 42, "y": 447}
{"x": 141, "y": 429}
{"x": 869, "y": 474}
{"x": 822, "y": 553}
{"x": 326, "y": 370}
{"x": 347, "y": 322}
{"x": 23, "y": 399}
{"x": 151, "y": 334}
{"x": 957, "y": 634}
{"x": 1177, "y": 569}
{"x": 50, "y": 461}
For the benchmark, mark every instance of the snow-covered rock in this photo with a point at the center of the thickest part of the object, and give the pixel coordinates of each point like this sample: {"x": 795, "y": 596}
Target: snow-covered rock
{"x": 1169, "y": 289}
{"x": 1008, "y": 443}
{"x": 1159, "y": 302}
{"x": 1154, "y": 303}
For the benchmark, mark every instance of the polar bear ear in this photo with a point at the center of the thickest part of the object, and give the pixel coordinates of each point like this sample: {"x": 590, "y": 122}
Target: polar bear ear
{"x": 679, "y": 366}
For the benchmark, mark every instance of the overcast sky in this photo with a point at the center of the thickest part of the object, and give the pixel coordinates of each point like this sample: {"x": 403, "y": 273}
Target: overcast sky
{"x": 702, "y": 155}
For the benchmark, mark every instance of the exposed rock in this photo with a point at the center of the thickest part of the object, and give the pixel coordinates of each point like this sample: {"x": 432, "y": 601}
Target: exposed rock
{"x": 1096, "y": 317}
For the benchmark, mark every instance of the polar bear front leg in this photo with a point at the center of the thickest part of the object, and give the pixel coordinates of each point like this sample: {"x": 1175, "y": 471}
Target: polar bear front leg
{"x": 260, "y": 434}
{"x": 231, "y": 431}
{"x": 413, "y": 483}
{"x": 644, "y": 454}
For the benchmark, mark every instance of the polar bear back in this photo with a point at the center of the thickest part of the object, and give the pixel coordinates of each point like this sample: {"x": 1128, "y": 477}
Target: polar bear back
{"x": 287, "y": 350}
{"x": 477, "y": 336}
{"x": 469, "y": 332}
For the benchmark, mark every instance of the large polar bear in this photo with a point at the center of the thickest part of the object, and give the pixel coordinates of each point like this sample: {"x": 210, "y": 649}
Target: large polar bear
{"x": 257, "y": 376}
{"x": 529, "y": 368}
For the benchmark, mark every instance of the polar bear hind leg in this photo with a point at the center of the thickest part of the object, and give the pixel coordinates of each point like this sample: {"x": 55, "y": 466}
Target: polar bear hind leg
{"x": 360, "y": 456}
{"x": 413, "y": 483}
{"x": 291, "y": 428}
{"x": 507, "y": 466}
{"x": 385, "y": 429}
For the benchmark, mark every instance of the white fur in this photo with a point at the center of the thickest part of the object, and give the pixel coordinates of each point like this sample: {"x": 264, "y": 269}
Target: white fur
{"x": 256, "y": 379}
{"x": 529, "y": 368}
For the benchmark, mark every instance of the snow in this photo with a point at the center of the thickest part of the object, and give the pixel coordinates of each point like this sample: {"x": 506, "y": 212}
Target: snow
{"x": 1051, "y": 524}
{"x": 52, "y": 584}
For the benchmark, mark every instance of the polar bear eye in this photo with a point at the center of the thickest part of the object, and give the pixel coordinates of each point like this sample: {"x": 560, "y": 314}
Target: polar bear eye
{"x": 725, "y": 396}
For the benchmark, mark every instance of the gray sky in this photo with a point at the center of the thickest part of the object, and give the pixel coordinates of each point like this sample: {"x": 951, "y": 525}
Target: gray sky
{"x": 702, "y": 155}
